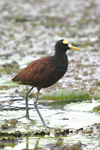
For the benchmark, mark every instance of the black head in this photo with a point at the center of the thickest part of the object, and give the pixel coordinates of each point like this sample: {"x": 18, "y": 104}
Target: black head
{"x": 64, "y": 45}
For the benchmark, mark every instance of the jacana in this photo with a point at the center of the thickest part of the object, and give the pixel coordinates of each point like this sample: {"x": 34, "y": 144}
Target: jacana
{"x": 45, "y": 72}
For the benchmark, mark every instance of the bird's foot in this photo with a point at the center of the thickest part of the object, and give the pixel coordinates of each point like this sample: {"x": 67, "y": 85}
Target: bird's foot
{"x": 31, "y": 119}
{"x": 21, "y": 117}
{"x": 27, "y": 117}
{"x": 47, "y": 127}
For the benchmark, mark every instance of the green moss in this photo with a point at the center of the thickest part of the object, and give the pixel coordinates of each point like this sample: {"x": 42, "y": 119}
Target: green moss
{"x": 87, "y": 132}
{"x": 58, "y": 143}
{"x": 9, "y": 70}
{"x": 96, "y": 108}
{"x": 3, "y": 87}
{"x": 64, "y": 94}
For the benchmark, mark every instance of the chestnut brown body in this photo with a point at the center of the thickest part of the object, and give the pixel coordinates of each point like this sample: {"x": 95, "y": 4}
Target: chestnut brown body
{"x": 44, "y": 72}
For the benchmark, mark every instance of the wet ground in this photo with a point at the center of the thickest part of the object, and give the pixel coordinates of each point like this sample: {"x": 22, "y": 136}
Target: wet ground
{"x": 28, "y": 31}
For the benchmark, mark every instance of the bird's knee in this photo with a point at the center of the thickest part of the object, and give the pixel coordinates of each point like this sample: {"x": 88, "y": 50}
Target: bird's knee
{"x": 35, "y": 104}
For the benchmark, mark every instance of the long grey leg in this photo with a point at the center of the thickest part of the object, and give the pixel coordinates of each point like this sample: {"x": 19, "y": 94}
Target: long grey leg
{"x": 26, "y": 101}
{"x": 35, "y": 105}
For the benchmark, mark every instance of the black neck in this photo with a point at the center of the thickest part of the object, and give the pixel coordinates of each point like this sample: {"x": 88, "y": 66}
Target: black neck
{"x": 60, "y": 60}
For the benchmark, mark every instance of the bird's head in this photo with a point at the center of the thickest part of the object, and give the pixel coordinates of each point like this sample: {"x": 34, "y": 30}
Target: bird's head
{"x": 64, "y": 45}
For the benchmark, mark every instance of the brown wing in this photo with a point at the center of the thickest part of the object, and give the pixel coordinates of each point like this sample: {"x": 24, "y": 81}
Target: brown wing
{"x": 38, "y": 73}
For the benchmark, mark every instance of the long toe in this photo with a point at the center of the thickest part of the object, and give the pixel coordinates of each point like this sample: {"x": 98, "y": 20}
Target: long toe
{"x": 21, "y": 117}
{"x": 47, "y": 127}
{"x": 31, "y": 119}
{"x": 26, "y": 118}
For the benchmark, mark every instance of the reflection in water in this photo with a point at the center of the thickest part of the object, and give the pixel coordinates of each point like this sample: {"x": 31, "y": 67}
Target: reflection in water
{"x": 27, "y": 142}
{"x": 35, "y": 145}
{"x": 18, "y": 103}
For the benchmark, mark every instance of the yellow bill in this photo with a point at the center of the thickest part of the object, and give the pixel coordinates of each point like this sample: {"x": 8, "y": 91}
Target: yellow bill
{"x": 69, "y": 45}
{"x": 73, "y": 47}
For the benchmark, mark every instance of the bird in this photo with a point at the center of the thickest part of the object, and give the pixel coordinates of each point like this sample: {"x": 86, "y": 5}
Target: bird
{"x": 45, "y": 72}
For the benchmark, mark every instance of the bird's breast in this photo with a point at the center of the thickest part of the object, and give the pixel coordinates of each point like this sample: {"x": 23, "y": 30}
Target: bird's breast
{"x": 61, "y": 64}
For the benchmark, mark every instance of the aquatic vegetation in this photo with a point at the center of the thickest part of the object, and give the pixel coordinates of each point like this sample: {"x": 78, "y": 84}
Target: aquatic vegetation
{"x": 96, "y": 108}
{"x": 96, "y": 95}
{"x": 66, "y": 95}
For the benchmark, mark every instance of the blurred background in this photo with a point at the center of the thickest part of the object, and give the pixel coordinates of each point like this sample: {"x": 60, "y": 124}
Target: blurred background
{"x": 29, "y": 30}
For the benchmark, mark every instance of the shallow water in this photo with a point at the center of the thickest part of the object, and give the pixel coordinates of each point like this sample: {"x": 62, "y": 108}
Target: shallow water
{"x": 71, "y": 116}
